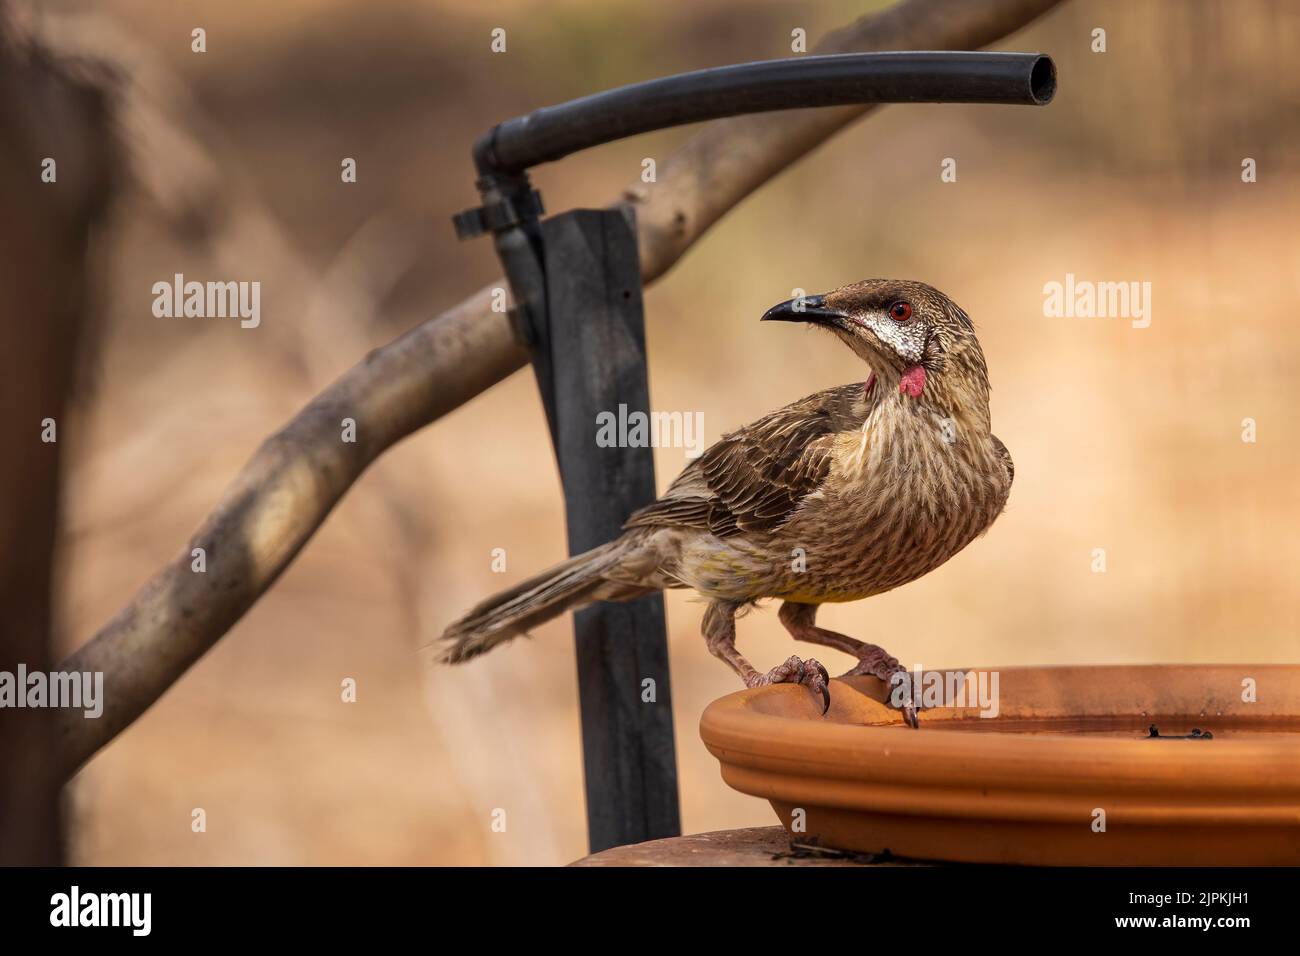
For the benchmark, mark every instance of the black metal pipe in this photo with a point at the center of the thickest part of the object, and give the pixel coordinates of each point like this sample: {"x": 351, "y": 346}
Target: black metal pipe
{"x": 851, "y": 78}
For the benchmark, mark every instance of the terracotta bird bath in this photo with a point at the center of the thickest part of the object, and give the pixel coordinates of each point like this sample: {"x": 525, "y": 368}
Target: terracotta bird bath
{"x": 1148, "y": 765}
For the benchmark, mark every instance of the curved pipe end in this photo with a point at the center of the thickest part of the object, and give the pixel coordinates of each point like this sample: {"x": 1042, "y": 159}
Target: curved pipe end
{"x": 1042, "y": 80}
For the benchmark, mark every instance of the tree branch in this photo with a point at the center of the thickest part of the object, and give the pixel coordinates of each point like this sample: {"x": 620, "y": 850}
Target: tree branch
{"x": 47, "y": 321}
{"x": 297, "y": 476}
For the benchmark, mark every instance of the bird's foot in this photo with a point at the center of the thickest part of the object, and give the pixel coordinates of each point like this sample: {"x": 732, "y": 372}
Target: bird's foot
{"x": 796, "y": 671}
{"x": 878, "y": 663}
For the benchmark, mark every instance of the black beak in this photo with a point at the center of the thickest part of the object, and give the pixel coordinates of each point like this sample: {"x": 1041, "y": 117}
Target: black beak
{"x": 807, "y": 308}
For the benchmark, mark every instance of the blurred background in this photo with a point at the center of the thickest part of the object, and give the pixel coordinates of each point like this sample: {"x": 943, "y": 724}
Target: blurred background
{"x": 1124, "y": 439}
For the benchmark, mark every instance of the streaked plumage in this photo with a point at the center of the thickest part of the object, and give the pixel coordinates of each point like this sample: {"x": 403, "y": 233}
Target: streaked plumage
{"x": 839, "y": 496}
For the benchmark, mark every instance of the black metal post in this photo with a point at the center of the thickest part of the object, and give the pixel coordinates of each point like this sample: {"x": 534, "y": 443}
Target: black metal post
{"x": 590, "y": 358}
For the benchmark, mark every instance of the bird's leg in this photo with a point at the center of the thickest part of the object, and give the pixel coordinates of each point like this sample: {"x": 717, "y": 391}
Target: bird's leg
{"x": 876, "y": 661}
{"x": 719, "y": 627}
{"x": 872, "y": 660}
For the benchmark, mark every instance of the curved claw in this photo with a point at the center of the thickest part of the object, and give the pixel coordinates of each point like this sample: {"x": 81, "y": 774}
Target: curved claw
{"x": 908, "y": 709}
{"x": 825, "y": 688}
{"x": 909, "y": 715}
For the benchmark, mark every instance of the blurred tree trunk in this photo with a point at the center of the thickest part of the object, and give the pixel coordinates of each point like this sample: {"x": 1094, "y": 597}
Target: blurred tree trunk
{"x": 45, "y": 230}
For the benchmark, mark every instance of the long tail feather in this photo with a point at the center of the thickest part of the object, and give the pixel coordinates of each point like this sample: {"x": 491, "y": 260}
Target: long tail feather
{"x": 573, "y": 583}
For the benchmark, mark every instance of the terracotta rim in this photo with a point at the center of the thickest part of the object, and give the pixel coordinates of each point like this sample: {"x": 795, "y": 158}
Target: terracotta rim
{"x": 772, "y": 742}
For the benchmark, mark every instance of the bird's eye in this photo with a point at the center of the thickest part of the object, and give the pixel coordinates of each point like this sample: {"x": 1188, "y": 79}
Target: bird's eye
{"x": 901, "y": 311}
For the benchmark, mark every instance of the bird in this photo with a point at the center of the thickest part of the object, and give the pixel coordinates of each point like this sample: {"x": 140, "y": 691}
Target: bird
{"x": 840, "y": 496}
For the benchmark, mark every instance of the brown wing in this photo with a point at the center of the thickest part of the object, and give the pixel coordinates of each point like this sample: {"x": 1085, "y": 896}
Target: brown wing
{"x": 754, "y": 479}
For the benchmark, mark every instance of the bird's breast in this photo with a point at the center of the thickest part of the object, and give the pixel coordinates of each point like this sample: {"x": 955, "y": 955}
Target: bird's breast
{"x": 899, "y": 503}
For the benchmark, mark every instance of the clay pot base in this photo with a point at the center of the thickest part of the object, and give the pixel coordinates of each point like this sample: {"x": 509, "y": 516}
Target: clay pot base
{"x": 1065, "y": 774}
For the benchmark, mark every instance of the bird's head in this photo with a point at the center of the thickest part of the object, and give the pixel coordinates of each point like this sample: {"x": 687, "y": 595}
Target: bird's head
{"x": 914, "y": 337}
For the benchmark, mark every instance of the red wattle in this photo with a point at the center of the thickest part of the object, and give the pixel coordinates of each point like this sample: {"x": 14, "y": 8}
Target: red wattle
{"x": 912, "y": 382}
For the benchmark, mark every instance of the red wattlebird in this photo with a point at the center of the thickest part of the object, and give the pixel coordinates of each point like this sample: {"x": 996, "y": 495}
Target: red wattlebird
{"x": 874, "y": 483}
